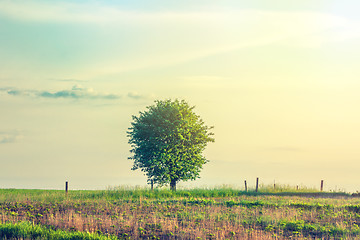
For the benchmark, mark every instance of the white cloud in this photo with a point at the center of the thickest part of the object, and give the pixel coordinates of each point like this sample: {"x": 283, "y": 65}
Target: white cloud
{"x": 175, "y": 41}
{"x": 247, "y": 22}
{"x": 88, "y": 13}
{"x": 136, "y": 95}
{"x": 10, "y": 136}
{"x": 172, "y": 37}
{"x": 76, "y": 92}
{"x": 46, "y": 11}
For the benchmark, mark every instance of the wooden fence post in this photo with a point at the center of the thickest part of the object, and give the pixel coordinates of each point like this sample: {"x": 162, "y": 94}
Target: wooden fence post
{"x": 245, "y": 186}
{"x": 257, "y": 184}
{"x": 152, "y": 184}
{"x": 66, "y": 187}
{"x": 274, "y": 185}
{"x": 322, "y": 185}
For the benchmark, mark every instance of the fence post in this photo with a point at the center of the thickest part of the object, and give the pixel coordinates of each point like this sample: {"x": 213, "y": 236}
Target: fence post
{"x": 274, "y": 185}
{"x": 245, "y": 186}
{"x": 257, "y": 184}
{"x": 66, "y": 187}
{"x": 152, "y": 184}
{"x": 322, "y": 185}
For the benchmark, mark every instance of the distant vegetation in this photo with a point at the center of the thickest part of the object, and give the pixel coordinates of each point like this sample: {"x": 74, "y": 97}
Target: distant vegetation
{"x": 220, "y": 213}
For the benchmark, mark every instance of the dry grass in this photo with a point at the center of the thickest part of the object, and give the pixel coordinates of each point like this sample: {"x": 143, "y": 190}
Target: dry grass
{"x": 243, "y": 217}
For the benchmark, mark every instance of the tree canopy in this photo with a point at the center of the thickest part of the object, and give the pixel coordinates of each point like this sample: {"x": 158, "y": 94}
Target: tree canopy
{"x": 167, "y": 142}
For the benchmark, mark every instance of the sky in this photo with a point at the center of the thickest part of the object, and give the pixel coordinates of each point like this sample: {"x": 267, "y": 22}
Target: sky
{"x": 278, "y": 80}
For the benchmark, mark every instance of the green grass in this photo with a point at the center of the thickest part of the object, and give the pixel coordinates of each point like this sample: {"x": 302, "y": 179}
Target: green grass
{"x": 208, "y": 213}
{"x": 135, "y": 193}
{"x": 27, "y": 230}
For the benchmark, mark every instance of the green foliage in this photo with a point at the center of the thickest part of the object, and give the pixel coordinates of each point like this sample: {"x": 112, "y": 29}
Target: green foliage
{"x": 167, "y": 142}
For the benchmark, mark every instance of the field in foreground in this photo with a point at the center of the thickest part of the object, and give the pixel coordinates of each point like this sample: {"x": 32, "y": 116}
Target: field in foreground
{"x": 186, "y": 214}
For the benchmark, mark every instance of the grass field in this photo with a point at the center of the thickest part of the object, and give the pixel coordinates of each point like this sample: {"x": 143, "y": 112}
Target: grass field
{"x": 222, "y": 213}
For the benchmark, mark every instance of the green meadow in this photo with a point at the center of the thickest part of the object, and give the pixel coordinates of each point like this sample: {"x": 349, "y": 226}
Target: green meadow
{"x": 213, "y": 213}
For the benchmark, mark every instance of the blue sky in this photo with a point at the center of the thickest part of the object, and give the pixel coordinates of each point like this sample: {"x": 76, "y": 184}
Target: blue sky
{"x": 277, "y": 79}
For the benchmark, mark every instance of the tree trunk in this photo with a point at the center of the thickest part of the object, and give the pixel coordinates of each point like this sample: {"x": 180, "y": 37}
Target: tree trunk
{"x": 173, "y": 185}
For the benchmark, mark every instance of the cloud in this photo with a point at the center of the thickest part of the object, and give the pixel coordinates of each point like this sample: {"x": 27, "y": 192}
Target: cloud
{"x": 10, "y": 136}
{"x": 76, "y": 92}
{"x": 91, "y": 12}
{"x": 135, "y": 95}
{"x": 169, "y": 37}
{"x": 40, "y": 11}
{"x": 249, "y": 23}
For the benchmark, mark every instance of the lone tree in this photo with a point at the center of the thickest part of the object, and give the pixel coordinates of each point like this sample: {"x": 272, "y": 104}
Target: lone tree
{"x": 167, "y": 142}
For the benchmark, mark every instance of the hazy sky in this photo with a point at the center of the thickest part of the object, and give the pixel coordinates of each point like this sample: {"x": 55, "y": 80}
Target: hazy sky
{"x": 279, "y": 80}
